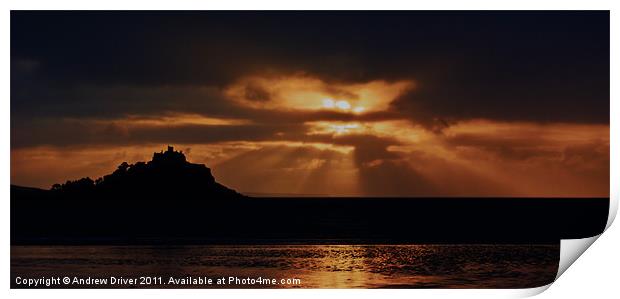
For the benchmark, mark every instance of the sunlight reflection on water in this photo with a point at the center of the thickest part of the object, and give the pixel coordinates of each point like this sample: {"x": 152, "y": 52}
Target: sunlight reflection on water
{"x": 318, "y": 266}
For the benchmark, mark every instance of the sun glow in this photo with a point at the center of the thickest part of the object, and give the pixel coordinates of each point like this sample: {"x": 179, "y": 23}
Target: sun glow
{"x": 336, "y": 128}
{"x": 328, "y": 103}
{"x": 309, "y": 93}
{"x": 340, "y": 129}
{"x": 344, "y": 105}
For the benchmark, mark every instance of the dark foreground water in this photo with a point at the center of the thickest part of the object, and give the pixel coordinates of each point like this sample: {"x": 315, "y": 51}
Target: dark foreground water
{"x": 297, "y": 266}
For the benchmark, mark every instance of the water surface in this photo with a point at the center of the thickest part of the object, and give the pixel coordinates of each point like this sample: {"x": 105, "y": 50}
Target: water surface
{"x": 316, "y": 266}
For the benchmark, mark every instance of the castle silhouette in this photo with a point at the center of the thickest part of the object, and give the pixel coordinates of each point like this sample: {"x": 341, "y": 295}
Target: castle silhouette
{"x": 169, "y": 156}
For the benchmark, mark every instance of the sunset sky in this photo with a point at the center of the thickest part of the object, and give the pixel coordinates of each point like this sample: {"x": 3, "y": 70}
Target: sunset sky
{"x": 323, "y": 103}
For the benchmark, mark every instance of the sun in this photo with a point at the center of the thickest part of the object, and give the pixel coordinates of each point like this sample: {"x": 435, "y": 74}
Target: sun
{"x": 333, "y": 104}
{"x": 343, "y": 105}
{"x": 329, "y": 103}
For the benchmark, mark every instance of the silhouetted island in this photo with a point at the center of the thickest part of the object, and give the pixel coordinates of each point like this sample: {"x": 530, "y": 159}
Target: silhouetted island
{"x": 167, "y": 174}
{"x": 169, "y": 200}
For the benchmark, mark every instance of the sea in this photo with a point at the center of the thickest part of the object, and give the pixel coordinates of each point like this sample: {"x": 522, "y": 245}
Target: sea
{"x": 285, "y": 266}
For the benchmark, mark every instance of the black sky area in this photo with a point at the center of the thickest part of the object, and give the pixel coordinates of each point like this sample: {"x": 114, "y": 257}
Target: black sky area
{"x": 532, "y": 66}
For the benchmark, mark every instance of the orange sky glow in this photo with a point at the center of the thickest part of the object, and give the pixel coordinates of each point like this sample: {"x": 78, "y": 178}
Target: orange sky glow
{"x": 313, "y": 137}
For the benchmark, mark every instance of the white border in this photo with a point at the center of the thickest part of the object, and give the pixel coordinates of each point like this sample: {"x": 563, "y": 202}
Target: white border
{"x": 578, "y": 282}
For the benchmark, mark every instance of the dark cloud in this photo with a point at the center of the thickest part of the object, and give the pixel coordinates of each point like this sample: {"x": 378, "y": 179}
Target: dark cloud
{"x": 505, "y": 147}
{"x": 590, "y": 159}
{"x": 529, "y": 145}
{"x": 83, "y": 132}
{"x": 256, "y": 93}
{"x": 113, "y": 102}
{"x": 540, "y": 66}
{"x": 86, "y": 101}
{"x": 76, "y": 132}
